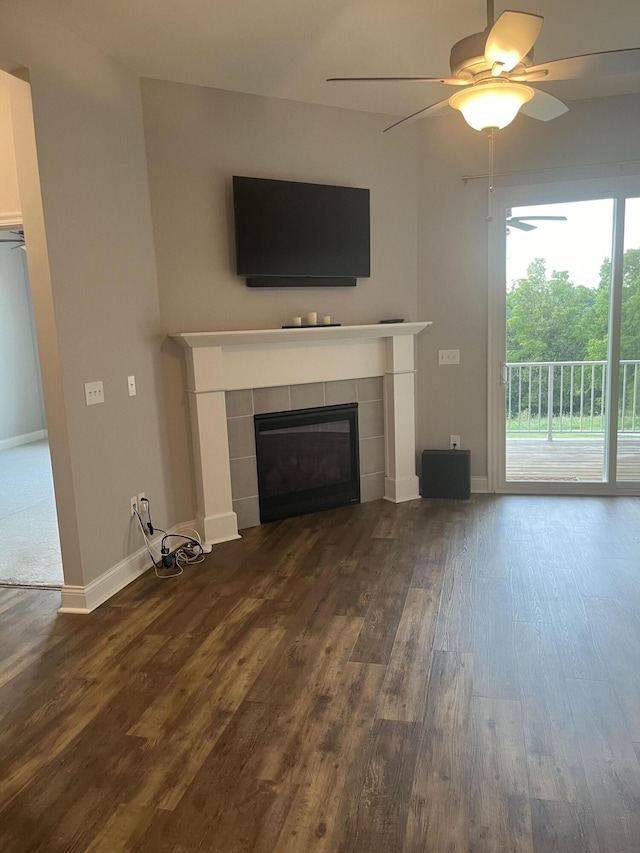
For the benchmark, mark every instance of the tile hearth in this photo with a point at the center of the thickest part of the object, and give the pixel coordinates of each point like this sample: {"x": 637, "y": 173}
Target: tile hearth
{"x": 243, "y": 405}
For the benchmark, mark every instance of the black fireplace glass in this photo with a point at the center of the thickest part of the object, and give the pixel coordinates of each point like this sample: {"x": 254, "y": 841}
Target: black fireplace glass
{"x": 307, "y": 460}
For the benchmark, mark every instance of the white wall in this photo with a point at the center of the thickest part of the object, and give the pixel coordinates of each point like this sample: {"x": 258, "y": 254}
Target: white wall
{"x": 21, "y": 411}
{"x": 453, "y": 284}
{"x": 197, "y": 139}
{"x": 103, "y": 321}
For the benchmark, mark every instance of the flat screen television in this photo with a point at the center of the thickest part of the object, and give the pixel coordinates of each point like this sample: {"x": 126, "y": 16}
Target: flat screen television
{"x": 292, "y": 234}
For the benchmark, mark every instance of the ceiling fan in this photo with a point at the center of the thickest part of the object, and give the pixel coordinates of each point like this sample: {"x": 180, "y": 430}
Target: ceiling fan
{"x": 18, "y": 239}
{"x": 522, "y": 222}
{"x": 495, "y": 67}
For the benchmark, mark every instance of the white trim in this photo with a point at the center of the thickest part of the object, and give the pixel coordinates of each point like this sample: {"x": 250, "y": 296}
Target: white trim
{"x": 480, "y": 485}
{"x": 84, "y": 599}
{"x": 222, "y": 527}
{"x": 533, "y": 487}
{"x": 10, "y": 220}
{"x": 313, "y": 334}
{"x": 25, "y": 438}
{"x": 401, "y": 490}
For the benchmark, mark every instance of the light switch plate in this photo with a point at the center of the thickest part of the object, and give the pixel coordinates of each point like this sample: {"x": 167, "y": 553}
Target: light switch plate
{"x": 448, "y": 356}
{"x": 93, "y": 393}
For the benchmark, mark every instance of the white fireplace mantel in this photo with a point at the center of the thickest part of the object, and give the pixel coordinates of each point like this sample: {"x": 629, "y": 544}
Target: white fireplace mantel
{"x": 259, "y": 358}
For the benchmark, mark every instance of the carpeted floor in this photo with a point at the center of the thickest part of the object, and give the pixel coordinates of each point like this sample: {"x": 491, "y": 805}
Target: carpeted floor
{"x": 30, "y": 552}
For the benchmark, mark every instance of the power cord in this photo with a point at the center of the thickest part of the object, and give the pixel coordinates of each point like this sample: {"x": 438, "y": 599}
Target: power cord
{"x": 189, "y": 553}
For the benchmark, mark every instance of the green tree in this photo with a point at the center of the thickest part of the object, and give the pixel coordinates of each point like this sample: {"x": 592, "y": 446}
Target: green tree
{"x": 551, "y": 319}
{"x": 594, "y": 327}
{"x": 545, "y": 316}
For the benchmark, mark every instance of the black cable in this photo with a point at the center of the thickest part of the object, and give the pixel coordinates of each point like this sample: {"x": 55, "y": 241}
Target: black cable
{"x": 180, "y": 536}
{"x": 192, "y": 551}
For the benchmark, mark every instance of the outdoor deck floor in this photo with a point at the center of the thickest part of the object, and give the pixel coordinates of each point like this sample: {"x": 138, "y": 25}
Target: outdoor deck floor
{"x": 569, "y": 459}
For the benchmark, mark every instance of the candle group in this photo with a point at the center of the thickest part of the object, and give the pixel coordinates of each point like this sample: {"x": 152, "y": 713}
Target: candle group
{"x": 312, "y": 319}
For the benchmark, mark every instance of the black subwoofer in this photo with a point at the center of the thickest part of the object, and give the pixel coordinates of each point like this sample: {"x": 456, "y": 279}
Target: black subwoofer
{"x": 446, "y": 474}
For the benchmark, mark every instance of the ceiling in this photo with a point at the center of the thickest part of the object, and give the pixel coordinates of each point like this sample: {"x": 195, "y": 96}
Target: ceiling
{"x": 287, "y": 48}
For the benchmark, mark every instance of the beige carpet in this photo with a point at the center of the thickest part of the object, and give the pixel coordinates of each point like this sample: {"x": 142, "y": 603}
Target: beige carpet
{"x": 30, "y": 550}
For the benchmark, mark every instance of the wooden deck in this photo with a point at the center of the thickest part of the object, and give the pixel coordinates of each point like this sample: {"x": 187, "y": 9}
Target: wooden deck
{"x": 569, "y": 459}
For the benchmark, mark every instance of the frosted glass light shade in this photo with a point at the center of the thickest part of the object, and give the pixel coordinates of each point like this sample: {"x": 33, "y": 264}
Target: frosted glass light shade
{"x": 493, "y": 104}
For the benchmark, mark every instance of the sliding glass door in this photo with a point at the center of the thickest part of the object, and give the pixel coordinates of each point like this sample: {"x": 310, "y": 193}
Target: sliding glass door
{"x": 628, "y": 425}
{"x": 564, "y": 370}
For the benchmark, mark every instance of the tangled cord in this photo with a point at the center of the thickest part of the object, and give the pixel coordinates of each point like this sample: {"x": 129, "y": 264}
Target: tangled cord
{"x": 189, "y": 553}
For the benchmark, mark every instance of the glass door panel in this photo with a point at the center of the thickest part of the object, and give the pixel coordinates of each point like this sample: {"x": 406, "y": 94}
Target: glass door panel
{"x": 557, "y": 325}
{"x": 628, "y": 454}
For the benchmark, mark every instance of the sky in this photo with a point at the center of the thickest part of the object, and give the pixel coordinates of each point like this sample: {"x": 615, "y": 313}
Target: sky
{"x": 578, "y": 245}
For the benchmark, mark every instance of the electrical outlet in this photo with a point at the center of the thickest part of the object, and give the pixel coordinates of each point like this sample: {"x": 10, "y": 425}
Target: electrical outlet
{"x": 454, "y": 442}
{"x": 448, "y": 356}
{"x": 143, "y": 504}
{"x": 134, "y": 504}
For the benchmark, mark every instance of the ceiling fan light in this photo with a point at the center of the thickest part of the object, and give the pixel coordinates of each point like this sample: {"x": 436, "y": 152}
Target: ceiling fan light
{"x": 492, "y": 104}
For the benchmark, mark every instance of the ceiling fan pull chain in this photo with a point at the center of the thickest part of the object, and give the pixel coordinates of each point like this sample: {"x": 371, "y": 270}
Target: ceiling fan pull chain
{"x": 491, "y": 187}
{"x": 490, "y": 14}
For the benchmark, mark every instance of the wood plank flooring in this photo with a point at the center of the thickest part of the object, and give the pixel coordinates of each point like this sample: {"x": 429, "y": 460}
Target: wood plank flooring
{"x": 439, "y": 676}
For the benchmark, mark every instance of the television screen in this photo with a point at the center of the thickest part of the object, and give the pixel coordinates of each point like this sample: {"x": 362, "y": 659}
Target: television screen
{"x": 298, "y": 231}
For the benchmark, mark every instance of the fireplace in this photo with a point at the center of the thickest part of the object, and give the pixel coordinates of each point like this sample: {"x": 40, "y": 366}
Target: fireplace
{"x": 307, "y": 460}
{"x": 227, "y": 361}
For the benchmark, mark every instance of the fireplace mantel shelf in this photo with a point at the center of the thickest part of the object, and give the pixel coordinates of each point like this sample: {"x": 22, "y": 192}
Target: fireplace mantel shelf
{"x": 247, "y": 337}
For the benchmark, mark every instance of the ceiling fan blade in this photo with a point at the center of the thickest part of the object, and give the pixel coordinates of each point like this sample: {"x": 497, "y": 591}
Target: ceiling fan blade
{"x": 543, "y": 107}
{"x": 602, "y": 64}
{"x": 511, "y": 38}
{"x": 450, "y": 81}
{"x": 522, "y": 226}
{"x": 433, "y": 108}
{"x": 538, "y": 218}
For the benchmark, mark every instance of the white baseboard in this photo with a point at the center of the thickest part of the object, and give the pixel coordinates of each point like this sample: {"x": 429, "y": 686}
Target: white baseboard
{"x": 84, "y": 599}
{"x": 26, "y": 438}
{"x": 402, "y": 489}
{"x": 479, "y": 485}
{"x": 218, "y": 528}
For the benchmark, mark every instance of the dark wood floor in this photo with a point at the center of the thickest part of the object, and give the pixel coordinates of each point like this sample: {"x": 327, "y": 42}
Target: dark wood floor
{"x": 435, "y": 676}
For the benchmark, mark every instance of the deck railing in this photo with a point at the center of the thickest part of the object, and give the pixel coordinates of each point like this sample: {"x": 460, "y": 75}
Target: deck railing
{"x": 547, "y": 397}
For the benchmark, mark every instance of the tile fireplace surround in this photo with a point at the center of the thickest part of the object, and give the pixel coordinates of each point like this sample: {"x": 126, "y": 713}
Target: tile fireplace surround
{"x": 218, "y": 362}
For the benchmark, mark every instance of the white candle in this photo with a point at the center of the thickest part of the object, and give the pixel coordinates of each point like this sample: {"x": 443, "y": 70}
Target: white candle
{"x": 312, "y": 318}
{"x": 297, "y": 321}
{"x": 326, "y": 320}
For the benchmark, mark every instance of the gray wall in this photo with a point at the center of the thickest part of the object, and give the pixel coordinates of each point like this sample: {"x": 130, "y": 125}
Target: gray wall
{"x": 21, "y": 406}
{"x": 103, "y": 296}
{"x": 196, "y": 140}
{"x": 452, "y": 245}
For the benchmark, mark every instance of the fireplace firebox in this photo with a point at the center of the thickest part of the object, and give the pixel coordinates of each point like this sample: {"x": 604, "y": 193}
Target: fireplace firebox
{"x": 307, "y": 460}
